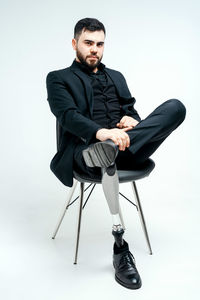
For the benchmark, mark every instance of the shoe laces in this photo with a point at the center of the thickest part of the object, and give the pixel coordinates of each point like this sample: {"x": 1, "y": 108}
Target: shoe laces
{"x": 127, "y": 259}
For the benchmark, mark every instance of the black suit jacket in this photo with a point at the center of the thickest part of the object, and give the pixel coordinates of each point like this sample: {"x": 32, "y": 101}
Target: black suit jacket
{"x": 70, "y": 97}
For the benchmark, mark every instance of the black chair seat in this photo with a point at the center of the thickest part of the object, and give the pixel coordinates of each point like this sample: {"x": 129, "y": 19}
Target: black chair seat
{"x": 124, "y": 175}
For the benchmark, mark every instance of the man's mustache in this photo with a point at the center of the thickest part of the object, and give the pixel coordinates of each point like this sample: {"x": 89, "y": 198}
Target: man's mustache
{"x": 90, "y": 56}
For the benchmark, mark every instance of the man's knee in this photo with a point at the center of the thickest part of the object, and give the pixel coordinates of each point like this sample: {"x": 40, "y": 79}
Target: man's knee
{"x": 175, "y": 110}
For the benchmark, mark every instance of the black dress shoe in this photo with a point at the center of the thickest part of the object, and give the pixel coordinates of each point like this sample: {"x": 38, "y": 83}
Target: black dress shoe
{"x": 126, "y": 273}
{"x": 100, "y": 154}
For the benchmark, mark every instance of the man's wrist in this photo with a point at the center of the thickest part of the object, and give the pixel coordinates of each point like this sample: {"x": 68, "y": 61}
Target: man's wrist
{"x": 98, "y": 133}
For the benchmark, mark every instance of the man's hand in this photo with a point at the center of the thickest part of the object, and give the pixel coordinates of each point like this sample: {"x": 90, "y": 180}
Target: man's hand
{"x": 127, "y": 122}
{"x": 118, "y": 136}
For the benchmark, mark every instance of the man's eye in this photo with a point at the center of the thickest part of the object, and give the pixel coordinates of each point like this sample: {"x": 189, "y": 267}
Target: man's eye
{"x": 88, "y": 43}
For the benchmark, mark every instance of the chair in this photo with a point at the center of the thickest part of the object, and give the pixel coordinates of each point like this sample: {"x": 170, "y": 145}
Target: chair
{"x": 124, "y": 176}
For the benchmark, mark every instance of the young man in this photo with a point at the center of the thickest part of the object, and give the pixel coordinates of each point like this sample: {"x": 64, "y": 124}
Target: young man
{"x": 101, "y": 130}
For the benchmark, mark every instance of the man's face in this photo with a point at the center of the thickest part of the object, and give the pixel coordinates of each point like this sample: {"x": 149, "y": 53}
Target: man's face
{"x": 89, "y": 48}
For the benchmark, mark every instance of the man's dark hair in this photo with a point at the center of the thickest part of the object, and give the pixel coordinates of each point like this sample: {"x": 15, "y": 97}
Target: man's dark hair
{"x": 90, "y": 24}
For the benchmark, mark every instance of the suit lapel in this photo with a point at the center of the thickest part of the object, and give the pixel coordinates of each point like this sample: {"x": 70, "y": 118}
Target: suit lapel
{"x": 88, "y": 88}
{"x": 120, "y": 84}
{"x": 115, "y": 80}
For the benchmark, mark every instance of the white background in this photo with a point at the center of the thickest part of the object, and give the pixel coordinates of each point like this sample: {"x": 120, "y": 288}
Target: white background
{"x": 156, "y": 45}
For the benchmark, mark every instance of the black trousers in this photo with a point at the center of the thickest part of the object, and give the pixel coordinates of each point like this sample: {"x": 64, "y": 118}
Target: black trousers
{"x": 145, "y": 138}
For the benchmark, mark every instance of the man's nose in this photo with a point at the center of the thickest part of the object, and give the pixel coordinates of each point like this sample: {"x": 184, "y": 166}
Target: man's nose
{"x": 93, "y": 49}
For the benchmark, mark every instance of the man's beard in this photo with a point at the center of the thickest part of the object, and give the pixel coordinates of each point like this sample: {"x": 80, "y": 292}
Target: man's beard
{"x": 84, "y": 62}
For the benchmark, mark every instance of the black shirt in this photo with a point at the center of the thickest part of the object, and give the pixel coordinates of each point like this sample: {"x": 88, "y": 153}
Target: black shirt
{"x": 106, "y": 107}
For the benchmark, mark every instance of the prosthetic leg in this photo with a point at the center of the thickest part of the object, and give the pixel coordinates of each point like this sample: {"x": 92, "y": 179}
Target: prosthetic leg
{"x": 103, "y": 154}
{"x": 110, "y": 185}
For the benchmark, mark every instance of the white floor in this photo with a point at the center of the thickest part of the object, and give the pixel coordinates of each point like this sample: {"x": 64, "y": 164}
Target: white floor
{"x": 33, "y": 266}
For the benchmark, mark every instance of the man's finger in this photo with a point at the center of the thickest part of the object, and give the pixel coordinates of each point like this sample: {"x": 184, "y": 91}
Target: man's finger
{"x": 127, "y": 128}
{"x": 119, "y": 125}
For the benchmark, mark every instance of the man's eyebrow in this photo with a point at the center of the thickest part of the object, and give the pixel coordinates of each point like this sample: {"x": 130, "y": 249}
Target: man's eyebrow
{"x": 101, "y": 42}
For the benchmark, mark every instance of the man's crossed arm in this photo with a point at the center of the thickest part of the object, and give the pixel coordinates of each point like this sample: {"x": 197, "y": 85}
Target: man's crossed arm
{"x": 118, "y": 135}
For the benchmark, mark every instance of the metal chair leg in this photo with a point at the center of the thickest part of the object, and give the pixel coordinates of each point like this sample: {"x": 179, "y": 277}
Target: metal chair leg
{"x": 139, "y": 207}
{"x": 71, "y": 192}
{"x": 79, "y": 220}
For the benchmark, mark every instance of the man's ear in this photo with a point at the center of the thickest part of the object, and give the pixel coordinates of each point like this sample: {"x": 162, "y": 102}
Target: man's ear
{"x": 74, "y": 42}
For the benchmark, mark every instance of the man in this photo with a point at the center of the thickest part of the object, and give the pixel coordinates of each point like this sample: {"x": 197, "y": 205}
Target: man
{"x": 101, "y": 130}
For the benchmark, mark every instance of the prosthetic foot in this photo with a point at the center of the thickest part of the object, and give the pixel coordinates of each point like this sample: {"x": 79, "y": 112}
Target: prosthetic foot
{"x": 126, "y": 272}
